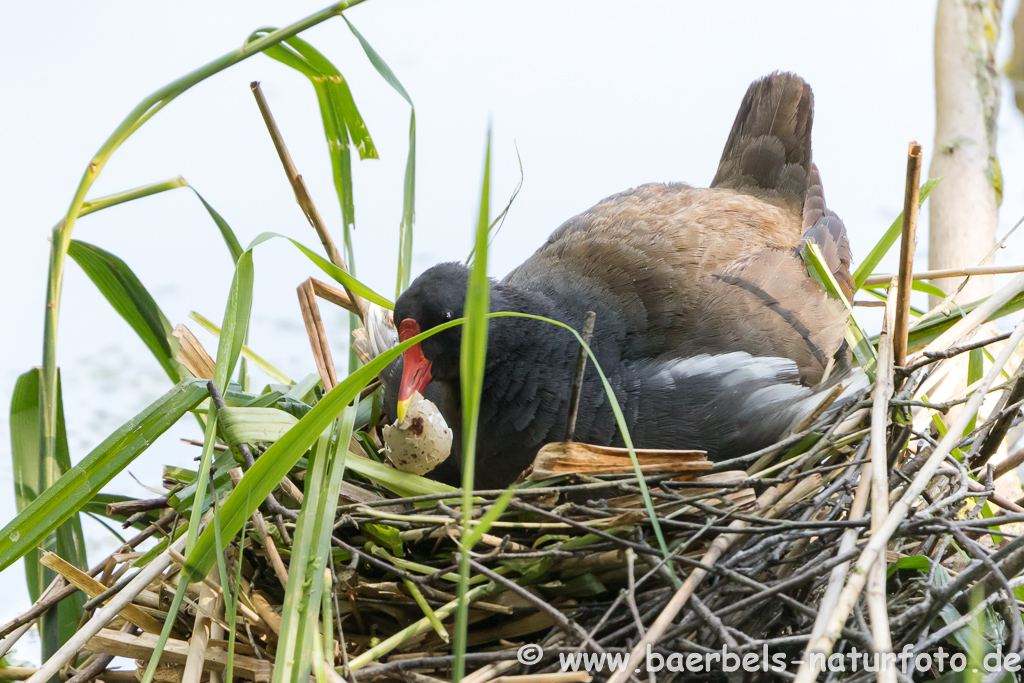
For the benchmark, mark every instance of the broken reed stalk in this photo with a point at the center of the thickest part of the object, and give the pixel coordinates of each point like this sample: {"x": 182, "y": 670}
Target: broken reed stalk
{"x": 210, "y": 603}
{"x": 884, "y": 382}
{"x": 317, "y": 335}
{"x": 105, "y": 614}
{"x": 879, "y": 540}
{"x": 577, "y": 379}
{"x": 302, "y": 196}
{"x": 907, "y": 243}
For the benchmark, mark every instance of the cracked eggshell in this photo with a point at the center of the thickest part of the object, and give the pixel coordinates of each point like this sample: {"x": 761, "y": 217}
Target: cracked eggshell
{"x": 422, "y": 441}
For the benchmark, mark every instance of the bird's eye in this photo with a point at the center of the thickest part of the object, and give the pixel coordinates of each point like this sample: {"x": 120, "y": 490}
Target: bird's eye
{"x": 448, "y": 315}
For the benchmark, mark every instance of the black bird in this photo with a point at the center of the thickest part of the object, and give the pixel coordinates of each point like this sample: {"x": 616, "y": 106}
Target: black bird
{"x": 708, "y": 325}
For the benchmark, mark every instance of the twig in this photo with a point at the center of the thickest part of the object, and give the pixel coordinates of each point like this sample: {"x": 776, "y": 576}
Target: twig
{"x": 127, "y": 508}
{"x": 302, "y": 194}
{"x": 933, "y": 356}
{"x": 887, "y": 346}
{"x": 883, "y": 278}
{"x": 907, "y": 244}
{"x": 577, "y": 379}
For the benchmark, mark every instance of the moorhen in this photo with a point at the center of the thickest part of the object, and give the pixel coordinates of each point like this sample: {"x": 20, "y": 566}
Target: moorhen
{"x": 708, "y": 326}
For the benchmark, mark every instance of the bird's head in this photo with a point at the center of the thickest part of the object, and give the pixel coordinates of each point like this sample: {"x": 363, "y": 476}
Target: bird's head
{"x": 436, "y": 297}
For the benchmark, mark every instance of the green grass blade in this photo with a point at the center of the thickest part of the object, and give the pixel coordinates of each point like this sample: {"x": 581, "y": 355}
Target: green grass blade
{"x": 883, "y": 246}
{"x": 225, "y": 230}
{"x": 473, "y": 359}
{"x": 32, "y": 476}
{"x": 123, "y": 290}
{"x": 64, "y": 498}
{"x": 94, "y": 205}
{"x": 489, "y": 518}
{"x": 310, "y": 552}
{"x": 427, "y": 610}
{"x": 138, "y": 116}
{"x": 303, "y": 57}
{"x": 236, "y": 319}
{"x": 928, "y": 329}
{"x": 334, "y": 271}
{"x": 233, "y": 333}
{"x": 859, "y": 342}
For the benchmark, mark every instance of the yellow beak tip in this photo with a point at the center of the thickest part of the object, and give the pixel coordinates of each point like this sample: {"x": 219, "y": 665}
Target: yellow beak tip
{"x": 403, "y": 407}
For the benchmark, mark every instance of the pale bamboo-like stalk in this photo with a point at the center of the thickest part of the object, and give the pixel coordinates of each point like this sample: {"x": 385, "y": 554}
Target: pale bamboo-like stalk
{"x": 883, "y": 278}
{"x": 847, "y": 543}
{"x": 880, "y": 539}
{"x": 209, "y": 603}
{"x": 978, "y": 316}
{"x": 968, "y": 324}
{"x": 105, "y": 614}
{"x": 887, "y": 343}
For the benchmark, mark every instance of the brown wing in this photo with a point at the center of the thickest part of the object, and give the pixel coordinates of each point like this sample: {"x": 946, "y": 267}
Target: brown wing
{"x": 649, "y": 250}
{"x": 766, "y": 305}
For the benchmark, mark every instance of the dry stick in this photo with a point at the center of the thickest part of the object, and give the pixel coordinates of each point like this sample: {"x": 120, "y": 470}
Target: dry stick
{"x": 332, "y": 294}
{"x": 127, "y": 508}
{"x": 877, "y": 606}
{"x": 879, "y": 540}
{"x": 317, "y": 335}
{"x": 997, "y": 431}
{"x": 106, "y": 613}
{"x": 675, "y": 605}
{"x": 839, "y": 572}
{"x": 577, "y": 378}
{"x": 883, "y": 278}
{"x": 1011, "y": 463}
{"x": 302, "y": 194}
{"x": 910, "y": 199}
{"x": 560, "y": 619}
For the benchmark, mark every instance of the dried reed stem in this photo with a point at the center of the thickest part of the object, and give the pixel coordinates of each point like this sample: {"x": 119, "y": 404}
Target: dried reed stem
{"x": 887, "y": 344}
{"x": 302, "y": 194}
{"x": 907, "y": 244}
{"x": 105, "y": 614}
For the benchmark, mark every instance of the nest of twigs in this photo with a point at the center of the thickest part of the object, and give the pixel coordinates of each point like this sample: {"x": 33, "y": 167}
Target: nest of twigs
{"x": 764, "y": 551}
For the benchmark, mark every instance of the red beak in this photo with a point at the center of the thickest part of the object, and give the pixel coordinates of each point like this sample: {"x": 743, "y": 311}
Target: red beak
{"x": 416, "y": 368}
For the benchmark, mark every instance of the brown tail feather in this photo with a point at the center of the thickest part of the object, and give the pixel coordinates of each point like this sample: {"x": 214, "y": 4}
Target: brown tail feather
{"x": 768, "y": 153}
{"x": 823, "y": 227}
